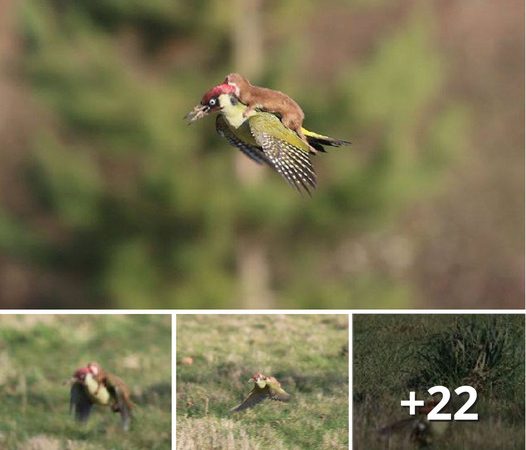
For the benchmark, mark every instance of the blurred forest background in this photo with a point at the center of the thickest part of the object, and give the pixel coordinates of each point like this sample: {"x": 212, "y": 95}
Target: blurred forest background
{"x": 108, "y": 198}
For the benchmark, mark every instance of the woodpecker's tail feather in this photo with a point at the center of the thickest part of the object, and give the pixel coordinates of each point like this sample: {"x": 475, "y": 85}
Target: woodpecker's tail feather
{"x": 319, "y": 140}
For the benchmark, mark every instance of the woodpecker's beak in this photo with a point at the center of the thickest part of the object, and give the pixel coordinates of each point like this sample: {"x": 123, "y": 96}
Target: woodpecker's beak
{"x": 197, "y": 113}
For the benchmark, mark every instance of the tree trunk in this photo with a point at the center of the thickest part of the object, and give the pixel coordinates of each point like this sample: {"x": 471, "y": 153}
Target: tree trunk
{"x": 252, "y": 258}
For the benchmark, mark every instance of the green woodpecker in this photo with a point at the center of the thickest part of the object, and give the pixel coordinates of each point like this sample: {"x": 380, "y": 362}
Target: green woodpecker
{"x": 112, "y": 382}
{"x": 264, "y": 387}
{"x": 263, "y": 137}
{"x": 87, "y": 390}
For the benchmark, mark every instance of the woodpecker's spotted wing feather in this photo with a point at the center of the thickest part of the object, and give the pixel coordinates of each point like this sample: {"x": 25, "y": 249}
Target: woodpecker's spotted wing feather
{"x": 79, "y": 402}
{"x": 272, "y": 390}
{"x": 253, "y": 152}
{"x": 257, "y": 395}
{"x": 288, "y": 154}
{"x": 289, "y": 161}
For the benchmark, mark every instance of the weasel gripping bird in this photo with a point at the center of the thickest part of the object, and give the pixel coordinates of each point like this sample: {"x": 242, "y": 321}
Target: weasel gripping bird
{"x": 91, "y": 385}
{"x": 264, "y": 387}
{"x": 266, "y": 125}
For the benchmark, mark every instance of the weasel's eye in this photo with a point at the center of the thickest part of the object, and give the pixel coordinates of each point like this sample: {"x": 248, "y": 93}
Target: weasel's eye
{"x": 212, "y": 102}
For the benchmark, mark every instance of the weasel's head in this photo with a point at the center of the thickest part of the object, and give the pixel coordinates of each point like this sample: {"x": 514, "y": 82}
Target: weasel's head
{"x": 236, "y": 81}
{"x": 94, "y": 368}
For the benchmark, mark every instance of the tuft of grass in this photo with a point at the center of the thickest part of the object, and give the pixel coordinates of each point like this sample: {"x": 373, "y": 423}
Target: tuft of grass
{"x": 395, "y": 354}
{"x": 481, "y": 351}
{"x": 38, "y": 354}
{"x": 218, "y": 354}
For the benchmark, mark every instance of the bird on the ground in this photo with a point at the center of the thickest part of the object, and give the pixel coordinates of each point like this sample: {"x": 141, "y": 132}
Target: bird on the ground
{"x": 264, "y": 388}
{"x": 87, "y": 391}
{"x": 263, "y": 137}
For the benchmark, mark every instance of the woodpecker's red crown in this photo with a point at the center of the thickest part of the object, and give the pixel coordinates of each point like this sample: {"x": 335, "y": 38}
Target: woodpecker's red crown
{"x": 215, "y": 92}
{"x": 80, "y": 374}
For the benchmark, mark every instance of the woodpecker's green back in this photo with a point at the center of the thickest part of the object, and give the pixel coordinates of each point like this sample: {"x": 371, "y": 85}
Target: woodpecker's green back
{"x": 264, "y": 138}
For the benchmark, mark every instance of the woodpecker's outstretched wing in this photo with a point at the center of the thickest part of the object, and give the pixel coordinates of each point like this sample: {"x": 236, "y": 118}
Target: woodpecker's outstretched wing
{"x": 257, "y": 395}
{"x": 253, "y": 152}
{"x": 289, "y": 155}
{"x": 79, "y": 402}
{"x": 276, "y": 392}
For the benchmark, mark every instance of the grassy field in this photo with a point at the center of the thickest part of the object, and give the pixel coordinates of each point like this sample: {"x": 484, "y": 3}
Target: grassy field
{"x": 394, "y": 354}
{"x": 218, "y": 354}
{"x": 39, "y": 353}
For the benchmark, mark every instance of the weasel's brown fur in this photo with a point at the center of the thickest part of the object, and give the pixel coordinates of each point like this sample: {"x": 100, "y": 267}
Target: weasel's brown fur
{"x": 269, "y": 100}
{"x": 110, "y": 381}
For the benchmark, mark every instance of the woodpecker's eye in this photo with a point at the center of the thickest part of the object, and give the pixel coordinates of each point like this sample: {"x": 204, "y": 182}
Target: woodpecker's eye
{"x": 212, "y": 102}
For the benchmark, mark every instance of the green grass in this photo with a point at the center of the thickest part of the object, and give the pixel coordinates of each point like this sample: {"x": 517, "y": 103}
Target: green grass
{"x": 38, "y": 353}
{"x": 394, "y": 354}
{"x": 306, "y": 353}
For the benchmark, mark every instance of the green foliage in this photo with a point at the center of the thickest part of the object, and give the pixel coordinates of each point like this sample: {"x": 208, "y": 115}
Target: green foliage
{"x": 149, "y": 211}
{"x": 395, "y": 354}
{"x": 307, "y": 354}
{"x": 38, "y": 354}
{"x": 482, "y": 351}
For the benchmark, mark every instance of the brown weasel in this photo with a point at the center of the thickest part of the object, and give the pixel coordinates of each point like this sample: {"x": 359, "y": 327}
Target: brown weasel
{"x": 269, "y": 100}
{"x": 111, "y": 382}
{"x": 86, "y": 391}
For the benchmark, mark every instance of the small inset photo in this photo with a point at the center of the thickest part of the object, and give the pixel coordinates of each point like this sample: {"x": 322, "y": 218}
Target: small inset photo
{"x": 85, "y": 382}
{"x": 274, "y": 382}
{"x": 438, "y": 381}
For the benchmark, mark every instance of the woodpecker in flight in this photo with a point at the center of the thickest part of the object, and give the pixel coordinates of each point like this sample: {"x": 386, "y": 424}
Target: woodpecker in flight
{"x": 93, "y": 386}
{"x": 264, "y": 387}
{"x": 263, "y": 137}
